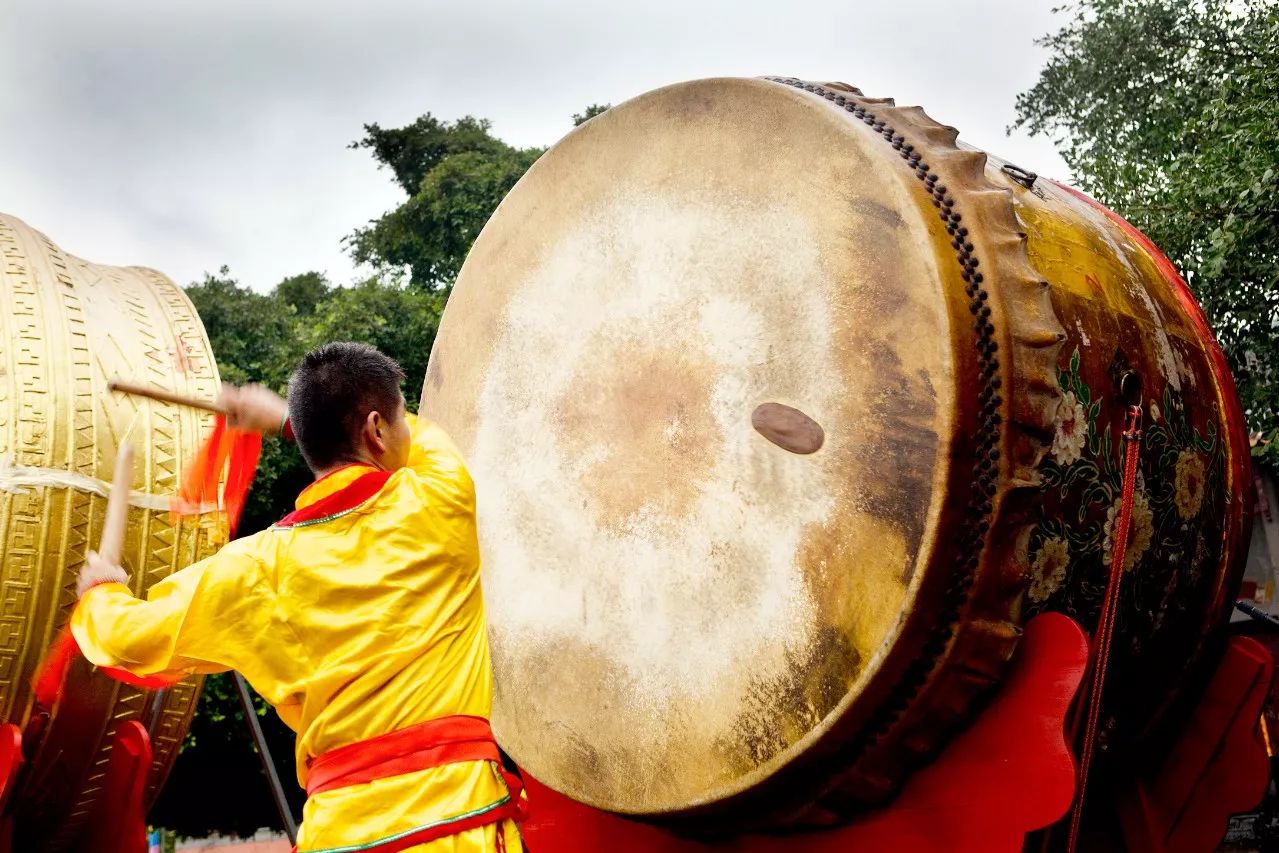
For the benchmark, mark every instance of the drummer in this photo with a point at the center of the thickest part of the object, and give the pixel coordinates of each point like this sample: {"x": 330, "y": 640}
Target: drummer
{"x": 358, "y": 616}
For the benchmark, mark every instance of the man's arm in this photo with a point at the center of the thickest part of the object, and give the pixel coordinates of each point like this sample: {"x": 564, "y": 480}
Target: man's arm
{"x": 199, "y": 619}
{"x": 435, "y": 458}
{"x": 183, "y": 623}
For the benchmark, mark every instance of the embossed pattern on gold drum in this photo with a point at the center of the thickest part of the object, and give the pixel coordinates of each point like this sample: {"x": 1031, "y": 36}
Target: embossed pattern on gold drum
{"x": 760, "y": 382}
{"x": 68, "y": 326}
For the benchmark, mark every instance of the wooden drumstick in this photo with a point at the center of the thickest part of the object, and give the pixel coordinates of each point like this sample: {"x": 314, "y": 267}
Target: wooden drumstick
{"x": 113, "y": 529}
{"x": 163, "y": 396}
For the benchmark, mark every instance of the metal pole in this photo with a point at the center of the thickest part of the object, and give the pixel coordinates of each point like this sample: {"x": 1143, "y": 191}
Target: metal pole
{"x": 157, "y": 708}
{"x": 273, "y": 778}
{"x": 1255, "y": 612}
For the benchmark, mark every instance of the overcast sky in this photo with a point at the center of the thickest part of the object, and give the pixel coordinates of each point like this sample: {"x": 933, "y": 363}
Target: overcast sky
{"x": 187, "y": 134}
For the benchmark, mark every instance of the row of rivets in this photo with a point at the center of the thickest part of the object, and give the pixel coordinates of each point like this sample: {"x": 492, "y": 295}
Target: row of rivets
{"x": 987, "y": 455}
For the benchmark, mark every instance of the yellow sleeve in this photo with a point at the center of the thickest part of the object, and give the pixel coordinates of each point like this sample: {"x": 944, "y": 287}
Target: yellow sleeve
{"x": 434, "y": 458}
{"x": 200, "y": 619}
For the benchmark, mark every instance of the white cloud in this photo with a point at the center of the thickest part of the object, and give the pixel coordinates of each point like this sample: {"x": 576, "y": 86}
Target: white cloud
{"x": 186, "y": 135}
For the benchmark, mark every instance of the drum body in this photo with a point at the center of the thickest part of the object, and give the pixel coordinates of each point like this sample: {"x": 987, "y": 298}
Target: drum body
{"x": 785, "y": 411}
{"x": 70, "y": 326}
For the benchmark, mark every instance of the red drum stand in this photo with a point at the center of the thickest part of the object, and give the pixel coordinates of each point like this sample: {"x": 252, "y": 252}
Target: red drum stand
{"x": 1009, "y": 774}
{"x": 119, "y": 826}
{"x": 1218, "y": 768}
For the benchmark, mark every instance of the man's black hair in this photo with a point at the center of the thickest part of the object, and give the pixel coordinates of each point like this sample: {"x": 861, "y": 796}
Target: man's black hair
{"x": 331, "y": 394}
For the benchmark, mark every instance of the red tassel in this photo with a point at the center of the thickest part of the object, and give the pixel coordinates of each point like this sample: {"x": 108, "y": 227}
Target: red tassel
{"x": 233, "y": 450}
{"x": 51, "y": 677}
{"x": 242, "y": 464}
{"x": 52, "y": 673}
{"x": 199, "y": 486}
{"x": 146, "y": 682}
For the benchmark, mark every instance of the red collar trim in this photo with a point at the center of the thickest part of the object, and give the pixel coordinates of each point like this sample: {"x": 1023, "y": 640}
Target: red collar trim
{"x": 334, "y": 473}
{"x": 339, "y": 503}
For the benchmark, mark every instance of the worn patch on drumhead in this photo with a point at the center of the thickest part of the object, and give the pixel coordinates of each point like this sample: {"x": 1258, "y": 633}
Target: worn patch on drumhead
{"x": 788, "y": 428}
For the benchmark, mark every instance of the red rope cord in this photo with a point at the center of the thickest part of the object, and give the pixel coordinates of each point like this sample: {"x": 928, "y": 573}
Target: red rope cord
{"x": 1110, "y": 605}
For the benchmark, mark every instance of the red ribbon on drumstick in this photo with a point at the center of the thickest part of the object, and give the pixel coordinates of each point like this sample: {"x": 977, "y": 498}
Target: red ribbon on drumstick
{"x": 228, "y": 449}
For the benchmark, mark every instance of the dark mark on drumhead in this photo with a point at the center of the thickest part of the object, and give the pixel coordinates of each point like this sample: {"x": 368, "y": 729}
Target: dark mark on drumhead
{"x": 435, "y": 373}
{"x": 788, "y": 428}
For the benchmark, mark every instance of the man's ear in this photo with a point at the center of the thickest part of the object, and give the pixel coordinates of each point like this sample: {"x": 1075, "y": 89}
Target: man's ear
{"x": 375, "y": 428}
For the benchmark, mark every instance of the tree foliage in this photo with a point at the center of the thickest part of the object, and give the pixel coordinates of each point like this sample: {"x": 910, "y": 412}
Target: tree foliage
{"x": 303, "y": 293}
{"x": 261, "y": 338}
{"x": 252, "y": 334}
{"x": 589, "y": 113}
{"x": 257, "y": 338}
{"x": 1168, "y": 112}
{"x": 455, "y": 175}
{"x": 401, "y": 321}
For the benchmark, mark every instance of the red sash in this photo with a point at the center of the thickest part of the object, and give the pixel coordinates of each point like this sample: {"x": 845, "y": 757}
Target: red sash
{"x": 446, "y": 740}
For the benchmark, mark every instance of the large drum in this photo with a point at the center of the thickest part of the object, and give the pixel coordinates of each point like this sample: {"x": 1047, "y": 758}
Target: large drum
{"x": 66, "y": 328}
{"x": 785, "y": 412}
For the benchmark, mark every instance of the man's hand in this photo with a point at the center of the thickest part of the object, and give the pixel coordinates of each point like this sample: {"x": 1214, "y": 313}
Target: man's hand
{"x": 254, "y": 408}
{"x": 96, "y": 571}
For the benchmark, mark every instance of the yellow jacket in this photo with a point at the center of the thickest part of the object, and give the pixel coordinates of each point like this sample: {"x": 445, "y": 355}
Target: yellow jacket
{"x": 364, "y": 621}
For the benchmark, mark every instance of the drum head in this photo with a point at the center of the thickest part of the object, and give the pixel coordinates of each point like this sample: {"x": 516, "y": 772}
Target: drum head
{"x": 700, "y": 365}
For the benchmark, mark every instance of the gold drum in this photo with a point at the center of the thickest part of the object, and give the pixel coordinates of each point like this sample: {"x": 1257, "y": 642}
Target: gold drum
{"x": 67, "y": 327}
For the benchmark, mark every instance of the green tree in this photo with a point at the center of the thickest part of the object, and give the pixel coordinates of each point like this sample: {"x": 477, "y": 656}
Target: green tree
{"x": 412, "y": 151}
{"x": 589, "y": 113}
{"x": 252, "y": 334}
{"x": 399, "y": 320}
{"x": 455, "y": 175}
{"x": 261, "y": 337}
{"x": 257, "y": 338}
{"x": 1168, "y": 112}
{"x": 303, "y": 292}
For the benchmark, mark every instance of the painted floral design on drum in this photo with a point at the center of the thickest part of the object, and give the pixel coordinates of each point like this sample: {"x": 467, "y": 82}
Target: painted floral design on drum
{"x": 1139, "y": 534}
{"x": 1071, "y": 430}
{"x": 1049, "y": 568}
{"x": 1072, "y": 544}
{"x": 1179, "y": 502}
{"x": 1189, "y": 483}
